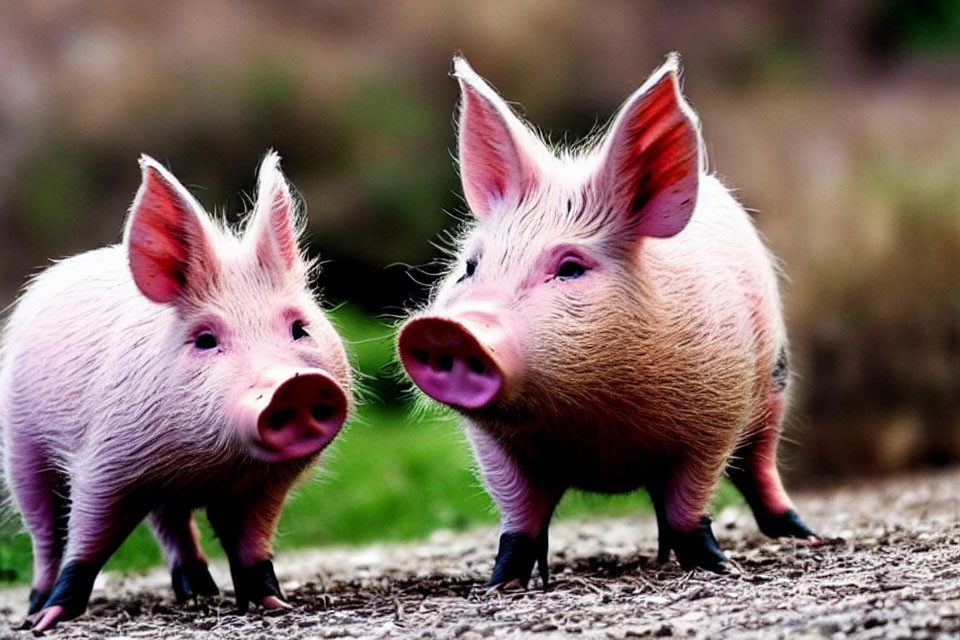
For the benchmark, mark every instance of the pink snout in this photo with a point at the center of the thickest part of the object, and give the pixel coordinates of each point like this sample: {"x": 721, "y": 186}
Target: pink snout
{"x": 295, "y": 417}
{"x": 448, "y": 362}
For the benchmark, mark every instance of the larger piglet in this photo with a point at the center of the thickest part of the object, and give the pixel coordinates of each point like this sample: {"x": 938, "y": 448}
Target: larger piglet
{"x": 185, "y": 367}
{"x": 612, "y": 322}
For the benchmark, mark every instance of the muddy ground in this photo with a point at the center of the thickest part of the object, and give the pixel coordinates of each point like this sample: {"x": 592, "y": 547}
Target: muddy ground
{"x": 890, "y": 569}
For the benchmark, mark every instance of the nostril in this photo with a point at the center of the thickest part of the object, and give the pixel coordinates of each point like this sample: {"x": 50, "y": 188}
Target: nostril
{"x": 443, "y": 362}
{"x": 421, "y": 356}
{"x": 475, "y": 364}
{"x": 280, "y": 418}
{"x": 322, "y": 412}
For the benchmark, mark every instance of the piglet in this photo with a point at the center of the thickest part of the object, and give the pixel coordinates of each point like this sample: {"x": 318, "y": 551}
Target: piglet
{"x": 612, "y": 321}
{"x": 185, "y": 367}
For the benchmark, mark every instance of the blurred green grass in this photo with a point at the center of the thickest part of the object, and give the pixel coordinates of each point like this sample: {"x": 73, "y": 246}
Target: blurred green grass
{"x": 393, "y": 475}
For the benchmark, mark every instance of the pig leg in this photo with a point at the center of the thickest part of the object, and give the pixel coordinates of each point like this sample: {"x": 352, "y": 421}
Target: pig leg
{"x": 41, "y": 495}
{"x": 525, "y": 509}
{"x": 680, "y": 500}
{"x": 245, "y": 528}
{"x": 98, "y": 523}
{"x": 754, "y": 472}
{"x": 174, "y": 529}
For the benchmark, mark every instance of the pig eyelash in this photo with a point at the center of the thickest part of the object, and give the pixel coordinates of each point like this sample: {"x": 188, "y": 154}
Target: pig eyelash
{"x": 471, "y": 269}
{"x": 298, "y": 330}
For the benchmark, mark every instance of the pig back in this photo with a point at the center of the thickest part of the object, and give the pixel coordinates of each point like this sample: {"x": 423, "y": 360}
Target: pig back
{"x": 83, "y": 350}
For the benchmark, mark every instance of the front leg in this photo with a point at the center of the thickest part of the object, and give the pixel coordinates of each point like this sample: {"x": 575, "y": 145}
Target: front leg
{"x": 680, "y": 497}
{"x": 245, "y": 527}
{"x": 99, "y": 522}
{"x": 525, "y": 505}
{"x": 173, "y": 527}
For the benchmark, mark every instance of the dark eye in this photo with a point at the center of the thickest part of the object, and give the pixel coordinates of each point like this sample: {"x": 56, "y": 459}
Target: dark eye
{"x": 471, "y": 269}
{"x": 570, "y": 269}
{"x": 205, "y": 340}
{"x": 298, "y": 331}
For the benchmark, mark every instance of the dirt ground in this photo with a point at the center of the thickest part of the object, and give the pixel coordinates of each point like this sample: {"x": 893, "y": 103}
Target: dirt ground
{"x": 890, "y": 569}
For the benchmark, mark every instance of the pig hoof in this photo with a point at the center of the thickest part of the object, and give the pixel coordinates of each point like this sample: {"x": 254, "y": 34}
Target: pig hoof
{"x": 191, "y": 580}
{"x": 786, "y": 525}
{"x": 48, "y": 617}
{"x": 256, "y": 584}
{"x": 37, "y": 600}
{"x": 273, "y": 602}
{"x": 70, "y": 595}
{"x": 515, "y": 559}
{"x": 663, "y": 548}
{"x": 699, "y": 548}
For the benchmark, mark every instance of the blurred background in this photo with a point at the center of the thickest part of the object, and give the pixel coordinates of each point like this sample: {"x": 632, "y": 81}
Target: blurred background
{"x": 837, "y": 121}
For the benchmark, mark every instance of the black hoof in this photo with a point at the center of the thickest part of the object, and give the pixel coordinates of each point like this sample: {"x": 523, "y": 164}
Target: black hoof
{"x": 72, "y": 589}
{"x": 663, "y": 548}
{"x": 253, "y": 584}
{"x": 515, "y": 559}
{"x": 784, "y": 525}
{"x": 191, "y": 580}
{"x": 698, "y": 548}
{"x": 37, "y": 600}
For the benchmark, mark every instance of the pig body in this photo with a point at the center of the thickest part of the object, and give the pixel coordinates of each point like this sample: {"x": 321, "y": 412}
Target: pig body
{"x": 184, "y": 368}
{"x": 613, "y": 323}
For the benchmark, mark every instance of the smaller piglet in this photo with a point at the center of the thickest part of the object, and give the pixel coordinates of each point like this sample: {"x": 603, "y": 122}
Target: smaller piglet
{"x": 186, "y": 367}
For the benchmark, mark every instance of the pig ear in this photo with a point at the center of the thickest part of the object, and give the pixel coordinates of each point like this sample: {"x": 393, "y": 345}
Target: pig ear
{"x": 650, "y": 159}
{"x": 498, "y": 163}
{"x": 273, "y": 227}
{"x": 168, "y": 239}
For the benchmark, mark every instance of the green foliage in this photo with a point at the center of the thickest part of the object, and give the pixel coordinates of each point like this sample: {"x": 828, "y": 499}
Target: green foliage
{"x": 930, "y": 26}
{"x": 54, "y": 189}
{"x": 397, "y": 191}
{"x": 270, "y": 86}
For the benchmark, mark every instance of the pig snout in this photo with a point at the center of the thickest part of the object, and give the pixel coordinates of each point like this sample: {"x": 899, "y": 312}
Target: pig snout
{"x": 294, "y": 415}
{"x": 460, "y": 361}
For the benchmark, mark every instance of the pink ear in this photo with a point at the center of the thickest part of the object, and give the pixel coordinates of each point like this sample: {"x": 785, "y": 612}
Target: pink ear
{"x": 273, "y": 227}
{"x": 651, "y": 157}
{"x": 495, "y": 167}
{"x": 168, "y": 245}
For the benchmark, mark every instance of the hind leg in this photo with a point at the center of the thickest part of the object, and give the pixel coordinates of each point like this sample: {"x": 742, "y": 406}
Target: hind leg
{"x": 41, "y": 496}
{"x": 754, "y": 472}
{"x": 173, "y": 527}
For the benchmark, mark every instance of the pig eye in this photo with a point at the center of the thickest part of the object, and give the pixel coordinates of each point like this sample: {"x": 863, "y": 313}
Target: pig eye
{"x": 205, "y": 340}
{"x": 471, "y": 269}
{"x": 570, "y": 269}
{"x": 298, "y": 331}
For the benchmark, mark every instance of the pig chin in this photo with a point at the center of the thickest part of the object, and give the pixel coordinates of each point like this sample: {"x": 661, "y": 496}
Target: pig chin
{"x": 294, "y": 413}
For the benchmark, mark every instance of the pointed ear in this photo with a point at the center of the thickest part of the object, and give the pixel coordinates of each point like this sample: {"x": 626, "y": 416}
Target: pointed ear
{"x": 650, "y": 159}
{"x": 168, "y": 238}
{"x": 273, "y": 228}
{"x": 498, "y": 154}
